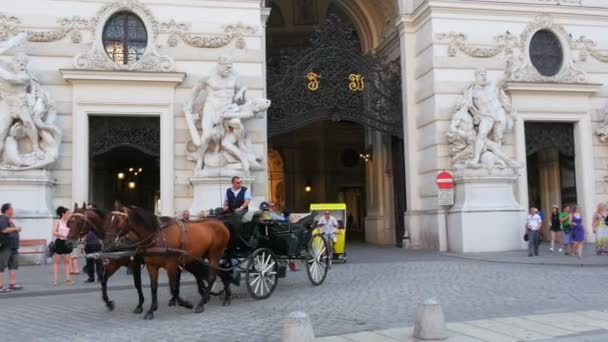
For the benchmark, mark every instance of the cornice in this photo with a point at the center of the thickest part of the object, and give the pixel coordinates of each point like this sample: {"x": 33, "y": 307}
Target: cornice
{"x": 578, "y": 88}
{"x": 78, "y": 75}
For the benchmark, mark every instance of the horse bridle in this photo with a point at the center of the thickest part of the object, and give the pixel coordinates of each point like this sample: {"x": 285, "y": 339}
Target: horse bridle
{"x": 85, "y": 220}
{"x": 138, "y": 245}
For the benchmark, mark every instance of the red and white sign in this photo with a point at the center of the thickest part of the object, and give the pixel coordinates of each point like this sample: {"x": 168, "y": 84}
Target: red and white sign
{"x": 445, "y": 180}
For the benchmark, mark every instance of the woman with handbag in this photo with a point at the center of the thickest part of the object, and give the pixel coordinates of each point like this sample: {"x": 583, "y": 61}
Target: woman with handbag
{"x": 63, "y": 248}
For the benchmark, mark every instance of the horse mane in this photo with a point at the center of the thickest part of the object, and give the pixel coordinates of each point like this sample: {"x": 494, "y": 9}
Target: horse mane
{"x": 147, "y": 219}
{"x": 102, "y": 214}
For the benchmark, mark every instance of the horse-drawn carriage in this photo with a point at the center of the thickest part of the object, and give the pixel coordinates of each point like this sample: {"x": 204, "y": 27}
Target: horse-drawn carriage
{"x": 262, "y": 248}
{"x": 218, "y": 246}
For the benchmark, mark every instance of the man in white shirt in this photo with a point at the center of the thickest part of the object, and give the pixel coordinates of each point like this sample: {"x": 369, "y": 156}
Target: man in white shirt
{"x": 533, "y": 227}
{"x": 328, "y": 224}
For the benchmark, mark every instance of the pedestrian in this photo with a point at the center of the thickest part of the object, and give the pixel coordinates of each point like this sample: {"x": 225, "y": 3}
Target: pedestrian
{"x": 578, "y": 232}
{"x": 9, "y": 249}
{"x": 556, "y": 229}
{"x": 186, "y": 215}
{"x": 63, "y": 248}
{"x": 565, "y": 218}
{"x": 533, "y": 226}
{"x": 600, "y": 229}
{"x": 92, "y": 244}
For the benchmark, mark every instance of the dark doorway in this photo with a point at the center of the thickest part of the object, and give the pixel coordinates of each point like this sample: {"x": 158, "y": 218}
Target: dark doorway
{"x": 125, "y": 163}
{"x": 550, "y": 165}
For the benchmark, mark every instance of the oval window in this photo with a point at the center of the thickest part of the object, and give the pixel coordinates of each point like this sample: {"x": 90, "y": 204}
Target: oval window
{"x": 546, "y": 53}
{"x": 125, "y": 38}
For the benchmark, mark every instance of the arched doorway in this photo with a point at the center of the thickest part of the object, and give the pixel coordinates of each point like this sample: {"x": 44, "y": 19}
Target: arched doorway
{"x": 335, "y": 118}
{"x": 124, "y": 161}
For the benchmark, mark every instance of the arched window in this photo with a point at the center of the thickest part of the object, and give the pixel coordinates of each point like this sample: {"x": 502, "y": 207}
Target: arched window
{"x": 125, "y": 38}
{"x": 546, "y": 53}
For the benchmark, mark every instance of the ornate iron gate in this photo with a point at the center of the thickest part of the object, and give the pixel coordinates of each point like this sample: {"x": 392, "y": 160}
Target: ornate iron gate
{"x": 110, "y": 132}
{"x": 333, "y": 80}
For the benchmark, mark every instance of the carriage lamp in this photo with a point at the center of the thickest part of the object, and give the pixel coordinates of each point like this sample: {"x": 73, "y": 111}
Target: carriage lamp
{"x": 131, "y": 185}
{"x": 120, "y": 176}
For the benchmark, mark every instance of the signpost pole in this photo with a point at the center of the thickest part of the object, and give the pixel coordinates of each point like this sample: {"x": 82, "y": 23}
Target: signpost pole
{"x": 445, "y": 197}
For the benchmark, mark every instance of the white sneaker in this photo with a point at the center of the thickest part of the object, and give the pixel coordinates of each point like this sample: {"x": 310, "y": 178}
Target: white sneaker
{"x": 551, "y": 249}
{"x": 560, "y": 250}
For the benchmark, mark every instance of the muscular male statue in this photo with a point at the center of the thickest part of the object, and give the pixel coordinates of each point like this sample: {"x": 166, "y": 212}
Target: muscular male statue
{"x": 213, "y": 96}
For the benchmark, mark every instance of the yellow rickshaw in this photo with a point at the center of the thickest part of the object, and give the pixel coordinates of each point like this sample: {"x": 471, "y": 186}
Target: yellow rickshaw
{"x": 338, "y": 211}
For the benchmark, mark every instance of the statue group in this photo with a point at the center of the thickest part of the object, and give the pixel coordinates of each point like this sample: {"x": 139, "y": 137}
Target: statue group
{"x": 482, "y": 118}
{"x": 28, "y": 137}
{"x": 215, "y": 112}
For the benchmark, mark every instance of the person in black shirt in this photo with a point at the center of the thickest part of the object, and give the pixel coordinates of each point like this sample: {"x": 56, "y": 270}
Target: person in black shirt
{"x": 9, "y": 249}
{"x": 556, "y": 229}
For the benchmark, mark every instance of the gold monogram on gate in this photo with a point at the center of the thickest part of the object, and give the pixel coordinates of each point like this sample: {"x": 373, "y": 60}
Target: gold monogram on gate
{"x": 357, "y": 82}
{"x": 313, "y": 81}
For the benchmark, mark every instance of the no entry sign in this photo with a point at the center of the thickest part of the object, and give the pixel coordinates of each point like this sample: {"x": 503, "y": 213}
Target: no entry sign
{"x": 445, "y": 180}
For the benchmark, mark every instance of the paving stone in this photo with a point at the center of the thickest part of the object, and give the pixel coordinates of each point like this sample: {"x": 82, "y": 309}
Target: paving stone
{"x": 377, "y": 289}
{"x": 479, "y": 333}
{"x": 519, "y": 333}
{"x": 543, "y": 329}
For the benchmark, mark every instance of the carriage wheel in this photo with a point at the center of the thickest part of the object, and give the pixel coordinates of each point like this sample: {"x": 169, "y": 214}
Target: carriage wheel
{"x": 261, "y": 275}
{"x": 317, "y": 260}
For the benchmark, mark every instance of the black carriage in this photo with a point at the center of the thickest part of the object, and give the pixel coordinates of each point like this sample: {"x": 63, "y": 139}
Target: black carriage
{"x": 261, "y": 249}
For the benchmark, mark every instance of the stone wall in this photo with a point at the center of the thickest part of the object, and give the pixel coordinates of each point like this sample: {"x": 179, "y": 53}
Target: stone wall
{"x": 204, "y": 18}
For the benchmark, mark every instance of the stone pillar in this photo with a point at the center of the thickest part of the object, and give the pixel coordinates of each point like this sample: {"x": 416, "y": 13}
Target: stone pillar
{"x": 415, "y": 220}
{"x": 379, "y": 221}
{"x": 485, "y": 216}
{"x": 30, "y": 193}
{"x": 550, "y": 184}
{"x": 208, "y": 192}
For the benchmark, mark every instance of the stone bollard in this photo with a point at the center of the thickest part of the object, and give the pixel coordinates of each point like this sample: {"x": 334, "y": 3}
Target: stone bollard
{"x": 430, "y": 322}
{"x": 297, "y": 328}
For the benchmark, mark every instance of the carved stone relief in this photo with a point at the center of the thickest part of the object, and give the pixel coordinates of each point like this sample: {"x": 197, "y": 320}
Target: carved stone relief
{"x": 516, "y": 52}
{"x": 231, "y": 33}
{"x": 11, "y": 26}
{"x": 97, "y": 59}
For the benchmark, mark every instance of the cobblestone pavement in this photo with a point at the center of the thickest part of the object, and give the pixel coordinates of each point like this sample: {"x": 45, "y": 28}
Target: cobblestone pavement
{"x": 379, "y": 291}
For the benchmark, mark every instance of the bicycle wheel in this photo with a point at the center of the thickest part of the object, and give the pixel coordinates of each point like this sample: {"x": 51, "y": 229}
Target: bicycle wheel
{"x": 317, "y": 260}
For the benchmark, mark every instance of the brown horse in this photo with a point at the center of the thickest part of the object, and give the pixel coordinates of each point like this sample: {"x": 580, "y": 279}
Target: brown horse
{"x": 174, "y": 245}
{"x": 81, "y": 223}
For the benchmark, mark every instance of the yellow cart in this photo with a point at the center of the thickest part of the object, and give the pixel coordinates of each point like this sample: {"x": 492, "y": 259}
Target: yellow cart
{"x": 338, "y": 211}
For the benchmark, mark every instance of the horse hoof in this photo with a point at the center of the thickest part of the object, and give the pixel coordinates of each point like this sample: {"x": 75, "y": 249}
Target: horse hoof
{"x": 138, "y": 310}
{"x": 172, "y": 302}
{"x": 199, "y": 309}
{"x": 149, "y": 316}
{"x": 186, "y": 304}
{"x": 226, "y": 303}
{"x": 110, "y": 306}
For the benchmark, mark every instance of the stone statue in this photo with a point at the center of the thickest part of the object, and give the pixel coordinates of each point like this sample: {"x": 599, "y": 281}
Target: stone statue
{"x": 602, "y": 130}
{"x": 482, "y": 119}
{"x": 218, "y": 106}
{"x": 28, "y": 138}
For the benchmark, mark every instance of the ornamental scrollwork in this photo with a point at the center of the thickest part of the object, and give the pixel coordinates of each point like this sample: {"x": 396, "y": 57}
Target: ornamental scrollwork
{"x": 333, "y": 80}
{"x": 114, "y": 132}
{"x": 97, "y": 59}
{"x": 458, "y": 42}
{"x": 231, "y": 33}
{"x": 11, "y": 26}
